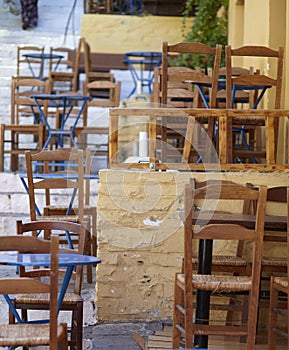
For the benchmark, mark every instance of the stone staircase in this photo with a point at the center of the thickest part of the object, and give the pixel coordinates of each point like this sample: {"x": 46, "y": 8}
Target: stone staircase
{"x": 54, "y": 29}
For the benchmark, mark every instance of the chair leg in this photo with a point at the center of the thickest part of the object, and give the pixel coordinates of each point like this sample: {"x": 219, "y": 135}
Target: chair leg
{"x": 177, "y": 316}
{"x": 63, "y": 342}
{"x": 2, "y": 135}
{"x": 88, "y": 252}
{"x": 14, "y": 157}
{"x": 272, "y": 337}
{"x": 251, "y": 325}
{"x": 76, "y": 327}
{"x": 94, "y": 234}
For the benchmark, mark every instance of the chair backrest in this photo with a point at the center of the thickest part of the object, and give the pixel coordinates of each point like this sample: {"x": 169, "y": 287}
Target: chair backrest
{"x": 217, "y": 196}
{"x": 26, "y": 285}
{"x": 180, "y": 94}
{"x": 21, "y": 102}
{"x": 66, "y": 63}
{"x": 63, "y": 170}
{"x": 241, "y": 96}
{"x": 22, "y": 64}
{"x": 197, "y": 74}
{"x": 113, "y": 99}
{"x": 72, "y": 77}
{"x": 266, "y": 77}
{"x": 60, "y": 228}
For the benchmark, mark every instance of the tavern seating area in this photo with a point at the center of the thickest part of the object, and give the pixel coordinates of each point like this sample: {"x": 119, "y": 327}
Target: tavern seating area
{"x": 208, "y": 119}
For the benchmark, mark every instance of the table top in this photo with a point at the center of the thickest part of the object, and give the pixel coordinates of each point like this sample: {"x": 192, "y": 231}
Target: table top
{"x": 61, "y": 97}
{"x": 65, "y": 260}
{"x": 238, "y": 86}
{"x": 143, "y": 57}
{"x": 69, "y": 176}
{"x": 272, "y": 222}
{"x": 43, "y": 56}
{"x": 143, "y": 54}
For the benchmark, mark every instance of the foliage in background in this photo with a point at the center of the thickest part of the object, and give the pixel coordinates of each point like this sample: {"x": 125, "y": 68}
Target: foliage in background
{"x": 210, "y": 27}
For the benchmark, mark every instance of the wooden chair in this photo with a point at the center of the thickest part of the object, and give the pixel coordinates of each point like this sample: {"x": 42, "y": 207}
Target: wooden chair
{"x": 91, "y": 75}
{"x": 180, "y": 94}
{"x": 27, "y": 136}
{"x": 21, "y": 102}
{"x": 242, "y": 97}
{"x": 197, "y": 77}
{"x": 218, "y": 285}
{"x": 273, "y": 265}
{"x": 66, "y": 168}
{"x": 73, "y": 301}
{"x": 111, "y": 100}
{"x": 32, "y": 138}
{"x": 249, "y": 148}
{"x": 22, "y": 64}
{"x": 29, "y": 335}
{"x": 71, "y": 78}
{"x": 279, "y": 286}
{"x": 64, "y": 65}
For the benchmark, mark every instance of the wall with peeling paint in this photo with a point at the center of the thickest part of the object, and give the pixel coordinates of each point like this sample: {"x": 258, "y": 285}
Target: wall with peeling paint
{"x": 141, "y": 238}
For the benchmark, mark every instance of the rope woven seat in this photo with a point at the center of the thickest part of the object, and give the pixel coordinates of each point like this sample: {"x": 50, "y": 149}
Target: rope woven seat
{"x": 224, "y": 260}
{"x": 274, "y": 261}
{"x": 69, "y": 298}
{"x": 281, "y": 280}
{"x": 39, "y": 333}
{"x": 219, "y": 283}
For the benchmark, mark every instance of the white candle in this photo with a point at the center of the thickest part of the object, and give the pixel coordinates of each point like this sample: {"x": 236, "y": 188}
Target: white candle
{"x": 143, "y": 144}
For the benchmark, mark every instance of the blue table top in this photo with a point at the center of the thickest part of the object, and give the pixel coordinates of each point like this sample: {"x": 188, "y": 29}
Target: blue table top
{"x": 61, "y": 97}
{"x": 69, "y": 176}
{"x": 65, "y": 260}
{"x": 144, "y": 54}
{"x": 43, "y": 56}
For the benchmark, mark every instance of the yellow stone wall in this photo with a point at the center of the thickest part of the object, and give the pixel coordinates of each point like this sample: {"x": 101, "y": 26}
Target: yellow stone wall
{"x": 141, "y": 239}
{"x": 120, "y": 34}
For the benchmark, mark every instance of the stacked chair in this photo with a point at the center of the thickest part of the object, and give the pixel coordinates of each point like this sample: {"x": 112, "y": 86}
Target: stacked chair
{"x": 62, "y": 170}
{"x": 23, "y": 70}
{"x": 52, "y": 334}
{"x": 197, "y": 230}
{"x": 23, "y": 123}
{"x": 73, "y": 301}
{"x": 279, "y": 290}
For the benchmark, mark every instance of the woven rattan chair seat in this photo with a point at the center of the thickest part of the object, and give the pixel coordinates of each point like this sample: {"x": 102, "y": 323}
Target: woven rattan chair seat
{"x": 25, "y": 334}
{"x": 274, "y": 261}
{"x": 216, "y": 283}
{"x": 71, "y": 218}
{"x": 283, "y": 281}
{"x": 69, "y": 298}
{"x": 225, "y": 260}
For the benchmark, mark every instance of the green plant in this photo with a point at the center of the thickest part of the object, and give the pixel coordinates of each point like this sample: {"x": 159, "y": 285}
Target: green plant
{"x": 209, "y": 27}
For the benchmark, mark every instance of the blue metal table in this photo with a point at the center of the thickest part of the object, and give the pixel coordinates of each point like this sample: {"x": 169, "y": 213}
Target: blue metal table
{"x": 66, "y": 103}
{"x": 69, "y": 261}
{"x": 141, "y": 65}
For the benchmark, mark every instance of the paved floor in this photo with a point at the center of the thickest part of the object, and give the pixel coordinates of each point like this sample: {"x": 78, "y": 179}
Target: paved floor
{"x": 117, "y": 336}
